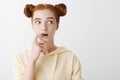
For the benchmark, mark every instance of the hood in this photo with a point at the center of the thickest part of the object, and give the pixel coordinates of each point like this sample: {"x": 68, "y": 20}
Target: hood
{"x": 59, "y": 50}
{"x": 55, "y": 53}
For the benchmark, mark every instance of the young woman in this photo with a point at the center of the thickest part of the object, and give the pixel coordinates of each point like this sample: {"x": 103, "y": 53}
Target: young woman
{"x": 44, "y": 60}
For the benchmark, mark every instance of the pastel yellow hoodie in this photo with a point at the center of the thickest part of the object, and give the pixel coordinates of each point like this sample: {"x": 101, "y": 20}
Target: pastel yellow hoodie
{"x": 61, "y": 64}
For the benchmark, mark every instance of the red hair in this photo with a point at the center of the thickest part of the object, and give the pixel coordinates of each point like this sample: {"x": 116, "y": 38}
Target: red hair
{"x": 58, "y": 10}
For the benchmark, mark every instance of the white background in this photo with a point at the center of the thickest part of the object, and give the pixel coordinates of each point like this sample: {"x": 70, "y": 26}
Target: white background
{"x": 91, "y": 29}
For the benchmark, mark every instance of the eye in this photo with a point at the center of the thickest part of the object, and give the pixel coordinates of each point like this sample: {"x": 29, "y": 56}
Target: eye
{"x": 37, "y": 22}
{"x": 50, "y": 22}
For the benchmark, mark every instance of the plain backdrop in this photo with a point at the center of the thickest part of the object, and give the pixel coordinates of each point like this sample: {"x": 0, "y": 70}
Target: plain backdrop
{"x": 91, "y": 29}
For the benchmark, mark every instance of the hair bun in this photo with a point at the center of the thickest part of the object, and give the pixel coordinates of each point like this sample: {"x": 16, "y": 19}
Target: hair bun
{"x": 62, "y": 9}
{"x": 28, "y": 10}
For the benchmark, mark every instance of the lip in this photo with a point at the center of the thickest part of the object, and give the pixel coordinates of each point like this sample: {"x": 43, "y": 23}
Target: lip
{"x": 41, "y": 39}
{"x": 44, "y": 35}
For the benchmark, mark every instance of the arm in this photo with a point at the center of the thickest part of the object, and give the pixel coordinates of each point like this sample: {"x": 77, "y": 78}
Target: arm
{"x": 18, "y": 67}
{"x": 23, "y": 70}
{"x": 30, "y": 71}
{"x": 76, "y": 73}
{"x": 30, "y": 67}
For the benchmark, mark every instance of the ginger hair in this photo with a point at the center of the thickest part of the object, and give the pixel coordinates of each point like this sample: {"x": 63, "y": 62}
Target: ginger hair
{"x": 58, "y": 10}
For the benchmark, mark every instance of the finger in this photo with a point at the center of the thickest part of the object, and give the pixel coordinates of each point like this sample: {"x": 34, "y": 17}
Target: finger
{"x": 36, "y": 40}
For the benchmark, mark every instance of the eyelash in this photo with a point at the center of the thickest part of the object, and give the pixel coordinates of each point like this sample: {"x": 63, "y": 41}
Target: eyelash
{"x": 48, "y": 22}
{"x": 37, "y": 22}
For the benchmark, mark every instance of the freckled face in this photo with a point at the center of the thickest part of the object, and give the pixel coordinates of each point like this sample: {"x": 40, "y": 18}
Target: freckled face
{"x": 44, "y": 24}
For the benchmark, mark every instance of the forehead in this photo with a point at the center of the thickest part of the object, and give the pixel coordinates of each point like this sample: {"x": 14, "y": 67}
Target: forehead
{"x": 45, "y": 13}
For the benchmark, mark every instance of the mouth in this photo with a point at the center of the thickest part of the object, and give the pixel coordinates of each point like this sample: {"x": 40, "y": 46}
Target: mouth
{"x": 44, "y": 35}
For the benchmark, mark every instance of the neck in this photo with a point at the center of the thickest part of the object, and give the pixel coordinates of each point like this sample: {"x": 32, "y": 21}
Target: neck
{"x": 49, "y": 47}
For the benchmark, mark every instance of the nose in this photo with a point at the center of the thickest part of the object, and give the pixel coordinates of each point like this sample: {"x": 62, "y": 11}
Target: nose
{"x": 43, "y": 26}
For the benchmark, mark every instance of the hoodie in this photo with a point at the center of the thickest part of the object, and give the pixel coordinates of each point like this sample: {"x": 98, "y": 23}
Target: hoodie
{"x": 60, "y": 64}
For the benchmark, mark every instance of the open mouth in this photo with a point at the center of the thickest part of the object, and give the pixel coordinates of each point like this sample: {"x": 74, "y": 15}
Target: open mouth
{"x": 41, "y": 37}
{"x": 44, "y": 35}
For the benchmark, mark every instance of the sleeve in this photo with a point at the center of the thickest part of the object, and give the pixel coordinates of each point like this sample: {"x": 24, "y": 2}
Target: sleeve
{"x": 18, "y": 69}
{"x": 76, "y": 72}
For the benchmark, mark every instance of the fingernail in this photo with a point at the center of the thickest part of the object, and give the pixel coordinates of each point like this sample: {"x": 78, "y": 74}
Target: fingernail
{"x": 38, "y": 39}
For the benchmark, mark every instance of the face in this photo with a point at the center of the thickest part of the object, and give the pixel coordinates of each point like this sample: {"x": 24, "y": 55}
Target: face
{"x": 44, "y": 24}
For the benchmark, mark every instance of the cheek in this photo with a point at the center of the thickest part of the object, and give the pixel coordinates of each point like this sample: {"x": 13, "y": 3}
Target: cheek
{"x": 52, "y": 32}
{"x": 37, "y": 31}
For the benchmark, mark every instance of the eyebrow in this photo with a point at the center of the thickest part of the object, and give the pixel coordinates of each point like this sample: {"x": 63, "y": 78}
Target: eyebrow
{"x": 47, "y": 18}
{"x": 50, "y": 18}
{"x": 37, "y": 19}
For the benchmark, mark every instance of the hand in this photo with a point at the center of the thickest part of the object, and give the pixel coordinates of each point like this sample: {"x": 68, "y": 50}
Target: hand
{"x": 37, "y": 48}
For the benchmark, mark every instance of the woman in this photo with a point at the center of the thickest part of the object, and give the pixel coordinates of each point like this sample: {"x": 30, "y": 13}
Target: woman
{"x": 44, "y": 60}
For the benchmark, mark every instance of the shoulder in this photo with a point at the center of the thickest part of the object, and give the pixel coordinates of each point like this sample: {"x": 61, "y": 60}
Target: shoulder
{"x": 22, "y": 55}
{"x": 73, "y": 56}
{"x": 64, "y": 51}
{"x": 68, "y": 54}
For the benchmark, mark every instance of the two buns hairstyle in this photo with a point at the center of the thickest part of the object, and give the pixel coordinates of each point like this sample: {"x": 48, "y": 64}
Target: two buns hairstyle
{"x": 28, "y": 10}
{"x": 60, "y": 9}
